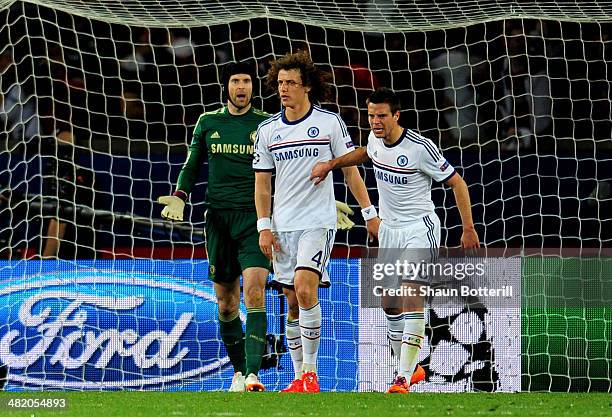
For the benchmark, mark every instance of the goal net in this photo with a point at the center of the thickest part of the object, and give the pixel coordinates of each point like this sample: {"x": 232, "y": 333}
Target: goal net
{"x": 99, "y": 99}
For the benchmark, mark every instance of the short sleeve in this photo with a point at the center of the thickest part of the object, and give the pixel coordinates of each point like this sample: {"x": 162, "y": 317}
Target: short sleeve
{"x": 262, "y": 158}
{"x": 433, "y": 163}
{"x": 341, "y": 142}
{"x": 370, "y": 146}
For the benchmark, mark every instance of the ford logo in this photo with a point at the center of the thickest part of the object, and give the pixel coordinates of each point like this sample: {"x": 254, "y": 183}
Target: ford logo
{"x": 107, "y": 330}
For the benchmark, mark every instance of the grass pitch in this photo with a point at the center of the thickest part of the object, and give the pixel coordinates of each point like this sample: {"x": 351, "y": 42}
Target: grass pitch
{"x": 271, "y": 404}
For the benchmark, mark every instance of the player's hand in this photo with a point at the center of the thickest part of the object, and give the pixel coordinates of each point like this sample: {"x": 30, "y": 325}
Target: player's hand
{"x": 469, "y": 239}
{"x": 343, "y": 221}
{"x": 373, "y": 225}
{"x": 319, "y": 172}
{"x": 174, "y": 207}
{"x": 267, "y": 243}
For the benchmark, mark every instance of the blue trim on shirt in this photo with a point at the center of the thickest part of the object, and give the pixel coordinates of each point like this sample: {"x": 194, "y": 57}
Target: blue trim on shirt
{"x": 295, "y": 122}
{"x": 450, "y": 176}
{"x": 304, "y": 143}
{"x": 400, "y": 140}
{"x": 269, "y": 120}
{"x": 431, "y": 150}
{"x": 337, "y": 116}
{"x": 384, "y": 168}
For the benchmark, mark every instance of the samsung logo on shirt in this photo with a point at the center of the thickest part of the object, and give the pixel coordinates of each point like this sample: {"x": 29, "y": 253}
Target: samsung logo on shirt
{"x": 296, "y": 153}
{"x": 393, "y": 179}
{"x": 231, "y": 148}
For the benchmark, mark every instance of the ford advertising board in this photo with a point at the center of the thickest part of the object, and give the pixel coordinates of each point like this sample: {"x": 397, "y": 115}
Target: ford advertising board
{"x": 147, "y": 324}
{"x": 107, "y": 329}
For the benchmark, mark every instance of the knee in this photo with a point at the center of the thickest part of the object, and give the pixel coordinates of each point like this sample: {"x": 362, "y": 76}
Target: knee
{"x": 227, "y": 309}
{"x": 392, "y": 311}
{"x": 413, "y": 304}
{"x": 254, "y": 297}
{"x": 306, "y": 297}
{"x": 413, "y": 307}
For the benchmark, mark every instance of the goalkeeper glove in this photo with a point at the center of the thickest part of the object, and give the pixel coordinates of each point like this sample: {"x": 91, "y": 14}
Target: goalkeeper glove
{"x": 342, "y": 211}
{"x": 174, "y": 207}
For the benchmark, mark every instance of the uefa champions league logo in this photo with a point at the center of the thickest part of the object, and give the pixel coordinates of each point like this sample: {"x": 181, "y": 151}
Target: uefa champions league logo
{"x": 107, "y": 330}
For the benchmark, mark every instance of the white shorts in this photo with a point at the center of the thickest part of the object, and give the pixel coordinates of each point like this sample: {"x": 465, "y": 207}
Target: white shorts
{"x": 419, "y": 234}
{"x": 303, "y": 249}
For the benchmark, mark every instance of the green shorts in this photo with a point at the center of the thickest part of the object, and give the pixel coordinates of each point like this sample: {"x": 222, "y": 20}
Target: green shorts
{"x": 232, "y": 244}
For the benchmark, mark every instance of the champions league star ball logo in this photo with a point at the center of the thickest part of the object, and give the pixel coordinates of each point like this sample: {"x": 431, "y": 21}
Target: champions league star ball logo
{"x": 461, "y": 349}
{"x": 313, "y": 132}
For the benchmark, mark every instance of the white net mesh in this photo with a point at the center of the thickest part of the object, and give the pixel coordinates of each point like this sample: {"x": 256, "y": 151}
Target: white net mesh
{"x": 368, "y": 15}
{"x": 516, "y": 95}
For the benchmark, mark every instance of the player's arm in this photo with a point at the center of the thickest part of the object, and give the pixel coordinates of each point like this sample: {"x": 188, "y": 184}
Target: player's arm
{"x": 263, "y": 194}
{"x": 263, "y": 164}
{"x": 358, "y": 189}
{"x": 469, "y": 237}
{"x": 321, "y": 169}
{"x": 263, "y": 204}
{"x": 347, "y": 162}
{"x": 439, "y": 169}
{"x": 190, "y": 172}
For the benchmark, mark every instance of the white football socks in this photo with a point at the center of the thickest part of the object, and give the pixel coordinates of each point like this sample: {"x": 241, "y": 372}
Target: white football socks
{"x": 294, "y": 343}
{"x": 310, "y": 327}
{"x": 395, "y": 331}
{"x": 412, "y": 342}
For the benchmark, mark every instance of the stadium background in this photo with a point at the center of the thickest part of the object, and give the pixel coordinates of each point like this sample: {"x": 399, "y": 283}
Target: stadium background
{"x": 70, "y": 70}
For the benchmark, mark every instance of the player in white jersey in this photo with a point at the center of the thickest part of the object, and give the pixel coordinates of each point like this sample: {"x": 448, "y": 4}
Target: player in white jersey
{"x": 404, "y": 164}
{"x": 299, "y": 237}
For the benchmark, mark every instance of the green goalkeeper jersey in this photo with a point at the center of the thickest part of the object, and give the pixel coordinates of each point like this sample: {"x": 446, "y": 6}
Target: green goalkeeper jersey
{"x": 226, "y": 141}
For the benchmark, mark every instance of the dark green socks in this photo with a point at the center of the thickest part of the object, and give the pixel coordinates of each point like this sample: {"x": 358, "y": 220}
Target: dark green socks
{"x": 233, "y": 338}
{"x": 256, "y": 328}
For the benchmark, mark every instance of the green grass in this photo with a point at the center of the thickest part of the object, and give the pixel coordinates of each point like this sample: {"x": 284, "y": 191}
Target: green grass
{"x": 269, "y": 404}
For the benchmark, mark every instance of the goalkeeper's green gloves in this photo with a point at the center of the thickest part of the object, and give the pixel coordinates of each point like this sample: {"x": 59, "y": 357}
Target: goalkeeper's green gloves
{"x": 174, "y": 207}
{"x": 342, "y": 211}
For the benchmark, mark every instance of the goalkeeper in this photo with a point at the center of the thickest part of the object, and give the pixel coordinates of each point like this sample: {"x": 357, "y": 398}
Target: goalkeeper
{"x": 225, "y": 138}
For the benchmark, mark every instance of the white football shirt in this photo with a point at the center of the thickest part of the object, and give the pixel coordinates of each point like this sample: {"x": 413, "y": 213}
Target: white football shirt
{"x": 291, "y": 149}
{"x": 403, "y": 173}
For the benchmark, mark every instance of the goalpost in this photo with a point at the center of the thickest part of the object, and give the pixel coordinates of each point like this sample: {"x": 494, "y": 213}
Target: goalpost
{"x": 99, "y": 99}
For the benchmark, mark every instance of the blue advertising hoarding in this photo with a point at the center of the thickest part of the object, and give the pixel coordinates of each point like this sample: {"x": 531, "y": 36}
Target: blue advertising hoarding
{"x": 147, "y": 324}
